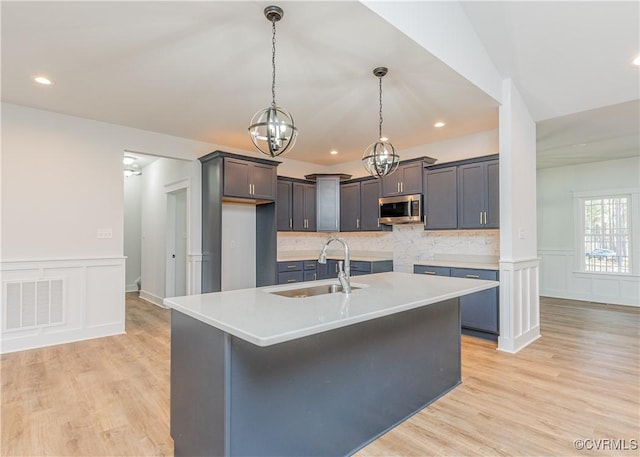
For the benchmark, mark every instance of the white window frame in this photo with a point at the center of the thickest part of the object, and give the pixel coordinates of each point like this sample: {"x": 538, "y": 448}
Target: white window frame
{"x": 633, "y": 194}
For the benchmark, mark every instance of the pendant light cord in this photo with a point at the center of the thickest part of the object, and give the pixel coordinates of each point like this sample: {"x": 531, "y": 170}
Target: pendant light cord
{"x": 273, "y": 62}
{"x": 380, "y": 112}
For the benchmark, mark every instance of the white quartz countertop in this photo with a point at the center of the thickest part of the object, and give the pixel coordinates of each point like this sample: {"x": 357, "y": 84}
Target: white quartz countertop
{"x": 460, "y": 264}
{"x": 264, "y": 319}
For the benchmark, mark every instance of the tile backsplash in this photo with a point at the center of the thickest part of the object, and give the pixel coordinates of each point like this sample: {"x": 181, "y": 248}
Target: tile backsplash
{"x": 408, "y": 242}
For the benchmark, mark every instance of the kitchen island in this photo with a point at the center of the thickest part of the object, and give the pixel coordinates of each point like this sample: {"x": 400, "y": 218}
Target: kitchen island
{"x": 257, "y": 373}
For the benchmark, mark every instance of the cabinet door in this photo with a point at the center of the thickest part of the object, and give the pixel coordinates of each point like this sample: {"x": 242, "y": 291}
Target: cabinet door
{"x": 471, "y": 195}
{"x": 391, "y": 183}
{"x": 350, "y": 207}
{"x": 493, "y": 194}
{"x": 263, "y": 181}
{"x": 479, "y": 311}
{"x": 441, "y": 198}
{"x": 411, "y": 178}
{"x": 328, "y": 204}
{"x": 310, "y": 206}
{"x": 310, "y": 275}
{"x": 236, "y": 178}
{"x": 369, "y": 206}
{"x": 283, "y": 206}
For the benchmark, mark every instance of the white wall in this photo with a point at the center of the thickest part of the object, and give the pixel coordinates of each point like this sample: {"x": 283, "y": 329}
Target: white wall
{"x": 465, "y": 147}
{"x": 62, "y": 191}
{"x": 158, "y": 179}
{"x": 132, "y": 230}
{"x": 557, "y": 232}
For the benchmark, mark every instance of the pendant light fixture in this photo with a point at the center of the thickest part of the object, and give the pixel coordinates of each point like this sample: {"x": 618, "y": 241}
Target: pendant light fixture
{"x": 272, "y": 129}
{"x": 380, "y": 158}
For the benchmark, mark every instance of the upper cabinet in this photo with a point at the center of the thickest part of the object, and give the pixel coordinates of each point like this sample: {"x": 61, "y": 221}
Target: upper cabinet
{"x": 479, "y": 195}
{"x": 463, "y": 194}
{"x": 441, "y": 198}
{"x": 249, "y": 179}
{"x": 359, "y": 206}
{"x": 304, "y": 207}
{"x": 407, "y": 179}
{"x": 328, "y": 203}
{"x": 284, "y": 206}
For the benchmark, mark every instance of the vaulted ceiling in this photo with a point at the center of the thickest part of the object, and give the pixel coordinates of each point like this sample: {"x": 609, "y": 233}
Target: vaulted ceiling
{"x": 200, "y": 70}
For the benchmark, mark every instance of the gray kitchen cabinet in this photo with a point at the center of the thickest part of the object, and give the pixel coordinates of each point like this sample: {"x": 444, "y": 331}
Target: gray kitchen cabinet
{"x": 358, "y": 267}
{"x": 479, "y": 195}
{"x": 249, "y": 179}
{"x": 350, "y": 207}
{"x": 304, "y": 207}
{"x": 296, "y": 271}
{"x": 479, "y": 312}
{"x": 226, "y": 177}
{"x": 441, "y": 198}
{"x": 406, "y": 180}
{"x": 433, "y": 271}
{"x": 328, "y": 203}
{"x": 284, "y": 206}
{"x": 359, "y": 206}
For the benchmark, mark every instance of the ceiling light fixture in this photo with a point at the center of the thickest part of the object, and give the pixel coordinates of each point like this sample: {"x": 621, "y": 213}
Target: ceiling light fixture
{"x": 636, "y": 61}
{"x": 128, "y": 160}
{"x": 131, "y": 168}
{"x": 380, "y": 158}
{"x": 272, "y": 129}
{"x": 333, "y": 152}
{"x": 42, "y": 80}
{"x": 439, "y": 124}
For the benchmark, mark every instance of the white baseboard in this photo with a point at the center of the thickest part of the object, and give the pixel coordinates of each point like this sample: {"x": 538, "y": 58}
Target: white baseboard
{"x": 151, "y": 298}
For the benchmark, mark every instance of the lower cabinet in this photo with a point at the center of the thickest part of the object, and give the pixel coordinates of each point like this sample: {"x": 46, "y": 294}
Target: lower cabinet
{"x": 296, "y": 271}
{"x": 479, "y": 311}
{"x": 358, "y": 268}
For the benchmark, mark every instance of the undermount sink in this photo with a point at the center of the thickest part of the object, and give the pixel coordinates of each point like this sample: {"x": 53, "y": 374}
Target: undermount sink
{"x": 305, "y": 292}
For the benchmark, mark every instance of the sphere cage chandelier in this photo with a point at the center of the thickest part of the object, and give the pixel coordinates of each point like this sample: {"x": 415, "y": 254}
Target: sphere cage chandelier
{"x": 380, "y": 158}
{"x": 272, "y": 129}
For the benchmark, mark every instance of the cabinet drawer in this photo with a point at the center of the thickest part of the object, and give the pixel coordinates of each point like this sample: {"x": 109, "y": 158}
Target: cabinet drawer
{"x": 290, "y": 266}
{"x": 360, "y": 267}
{"x": 287, "y": 277}
{"x": 474, "y": 273}
{"x": 310, "y": 265}
{"x": 429, "y": 270}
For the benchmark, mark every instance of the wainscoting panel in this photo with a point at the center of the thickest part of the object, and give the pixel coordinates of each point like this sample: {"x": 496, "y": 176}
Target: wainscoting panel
{"x": 519, "y": 304}
{"x": 560, "y": 279}
{"x": 60, "y": 301}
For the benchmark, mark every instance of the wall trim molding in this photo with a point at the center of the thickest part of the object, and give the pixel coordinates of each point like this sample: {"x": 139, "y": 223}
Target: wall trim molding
{"x": 152, "y": 298}
{"x": 93, "y": 302}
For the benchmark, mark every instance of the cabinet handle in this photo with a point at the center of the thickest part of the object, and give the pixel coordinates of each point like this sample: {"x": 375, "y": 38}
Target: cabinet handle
{"x": 401, "y": 186}
{"x": 429, "y": 272}
{"x": 398, "y": 186}
{"x": 336, "y": 267}
{"x": 473, "y": 276}
{"x": 315, "y": 276}
{"x": 485, "y": 218}
{"x": 291, "y": 266}
{"x": 290, "y": 223}
{"x": 357, "y": 222}
{"x": 480, "y": 217}
{"x": 291, "y": 280}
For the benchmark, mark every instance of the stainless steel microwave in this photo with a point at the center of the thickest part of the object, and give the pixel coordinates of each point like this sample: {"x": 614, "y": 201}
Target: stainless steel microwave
{"x": 400, "y": 210}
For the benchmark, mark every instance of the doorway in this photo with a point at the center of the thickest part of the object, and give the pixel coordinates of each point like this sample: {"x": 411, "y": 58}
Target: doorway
{"x": 177, "y": 241}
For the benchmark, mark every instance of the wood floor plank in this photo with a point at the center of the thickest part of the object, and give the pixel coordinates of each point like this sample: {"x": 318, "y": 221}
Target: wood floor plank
{"x": 110, "y": 396}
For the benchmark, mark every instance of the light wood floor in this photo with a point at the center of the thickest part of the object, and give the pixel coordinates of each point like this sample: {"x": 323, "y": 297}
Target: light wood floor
{"x": 110, "y": 396}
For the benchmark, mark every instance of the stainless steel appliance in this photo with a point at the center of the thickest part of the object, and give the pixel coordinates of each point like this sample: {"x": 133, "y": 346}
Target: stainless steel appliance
{"x": 400, "y": 210}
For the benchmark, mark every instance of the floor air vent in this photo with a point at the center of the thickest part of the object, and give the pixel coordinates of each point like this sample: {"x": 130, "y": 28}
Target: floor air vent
{"x": 34, "y": 303}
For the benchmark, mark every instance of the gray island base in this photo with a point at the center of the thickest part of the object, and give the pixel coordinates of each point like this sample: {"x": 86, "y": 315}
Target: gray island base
{"x": 326, "y": 394}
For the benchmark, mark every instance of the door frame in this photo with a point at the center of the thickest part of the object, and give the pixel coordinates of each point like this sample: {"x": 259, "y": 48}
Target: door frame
{"x": 170, "y": 191}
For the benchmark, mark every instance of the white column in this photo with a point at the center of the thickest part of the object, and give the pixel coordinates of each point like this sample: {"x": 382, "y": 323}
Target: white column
{"x": 519, "y": 264}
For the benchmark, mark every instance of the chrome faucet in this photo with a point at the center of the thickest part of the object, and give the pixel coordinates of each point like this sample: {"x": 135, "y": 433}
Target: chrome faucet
{"x": 344, "y": 275}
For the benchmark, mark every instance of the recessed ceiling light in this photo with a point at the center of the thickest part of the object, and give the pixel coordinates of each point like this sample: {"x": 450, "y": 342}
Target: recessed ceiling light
{"x": 42, "y": 80}
{"x": 439, "y": 124}
{"x": 128, "y": 160}
{"x": 334, "y": 152}
{"x": 636, "y": 61}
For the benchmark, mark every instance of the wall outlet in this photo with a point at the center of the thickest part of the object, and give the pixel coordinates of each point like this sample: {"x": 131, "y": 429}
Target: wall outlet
{"x": 104, "y": 233}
